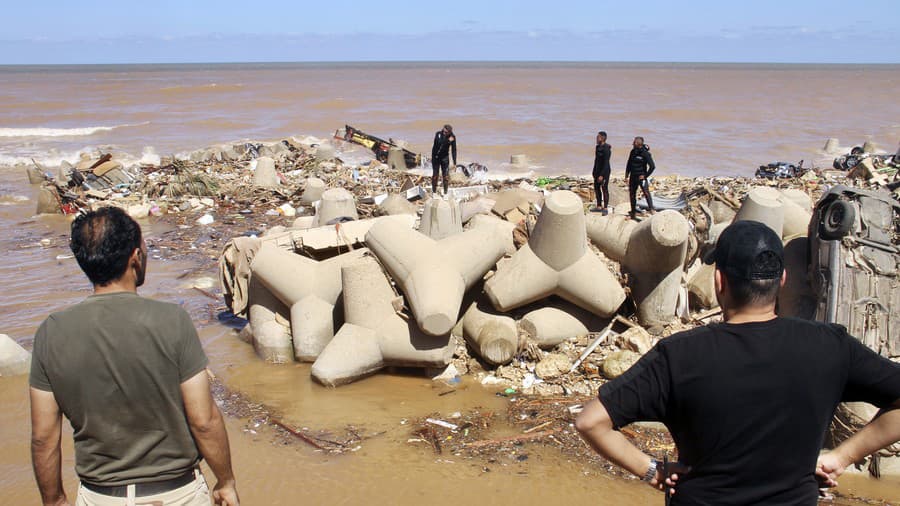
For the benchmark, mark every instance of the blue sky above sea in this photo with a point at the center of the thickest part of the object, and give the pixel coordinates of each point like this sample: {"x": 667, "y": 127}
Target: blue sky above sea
{"x": 99, "y": 31}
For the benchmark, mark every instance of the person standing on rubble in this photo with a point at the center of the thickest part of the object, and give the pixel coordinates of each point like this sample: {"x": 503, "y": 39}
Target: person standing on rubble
{"x": 638, "y": 168}
{"x": 602, "y": 154}
{"x": 444, "y": 144}
{"x": 130, "y": 375}
{"x": 747, "y": 401}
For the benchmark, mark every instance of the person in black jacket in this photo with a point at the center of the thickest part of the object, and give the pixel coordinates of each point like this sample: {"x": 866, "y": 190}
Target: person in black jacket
{"x": 602, "y": 154}
{"x": 639, "y": 167}
{"x": 444, "y": 143}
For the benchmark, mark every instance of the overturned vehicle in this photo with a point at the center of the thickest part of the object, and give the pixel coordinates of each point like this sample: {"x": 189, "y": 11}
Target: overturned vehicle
{"x": 854, "y": 261}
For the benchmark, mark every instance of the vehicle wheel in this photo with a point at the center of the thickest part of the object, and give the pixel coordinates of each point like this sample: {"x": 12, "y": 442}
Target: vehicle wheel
{"x": 837, "y": 220}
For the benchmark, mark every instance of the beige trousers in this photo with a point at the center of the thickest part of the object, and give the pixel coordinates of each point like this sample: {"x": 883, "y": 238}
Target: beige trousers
{"x": 195, "y": 493}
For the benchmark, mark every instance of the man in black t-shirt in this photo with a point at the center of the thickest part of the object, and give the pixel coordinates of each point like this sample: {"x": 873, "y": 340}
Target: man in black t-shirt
{"x": 747, "y": 401}
{"x": 600, "y": 173}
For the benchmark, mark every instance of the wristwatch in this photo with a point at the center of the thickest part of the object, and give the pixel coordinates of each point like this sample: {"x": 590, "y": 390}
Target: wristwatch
{"x": 651, "y": 471}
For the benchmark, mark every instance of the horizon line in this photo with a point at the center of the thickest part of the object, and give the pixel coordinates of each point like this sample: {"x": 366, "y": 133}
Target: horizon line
{"x": 441, "y": 62}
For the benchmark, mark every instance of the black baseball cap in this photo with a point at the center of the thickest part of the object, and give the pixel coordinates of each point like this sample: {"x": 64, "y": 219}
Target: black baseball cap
{"x": 749, "y": 250}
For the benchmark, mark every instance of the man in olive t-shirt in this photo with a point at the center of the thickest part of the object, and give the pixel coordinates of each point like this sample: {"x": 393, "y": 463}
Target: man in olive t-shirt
{"x": 129, "y": 374}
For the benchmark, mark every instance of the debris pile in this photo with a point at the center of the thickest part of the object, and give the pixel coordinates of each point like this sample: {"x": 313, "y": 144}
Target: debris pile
{"x": 514, "y": 282}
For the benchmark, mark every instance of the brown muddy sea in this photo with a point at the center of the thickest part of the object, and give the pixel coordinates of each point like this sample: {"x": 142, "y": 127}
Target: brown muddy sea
{"x": 699, "y": 119}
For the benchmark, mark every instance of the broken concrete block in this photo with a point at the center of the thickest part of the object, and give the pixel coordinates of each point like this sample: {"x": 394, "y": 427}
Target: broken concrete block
{"x": 336, "y": 204}
{"x": 310, "y": 288}
{"x": 763, "y": 204}
{"x": 635, "y": 339}
{"x": 441, "y": 218}
{"x": 374, "y": 335}
{"x": 494, "y": 338}
{"x": 557, "y": 261}
{"x": 312, "y": 190}
{"x": 265, "y": 175}
{"x": 549, "y": 326}
{"x": 655, "y": 265}
{"x": 869, "y": 147}
{"x": 618, "y": 362}
{"x": 552, "y": 365}
{"x": 832, "y": 146}
{"x": 397, "y": 204}
{"x": 434, "y": 275}
{"x": 14, "y": 359}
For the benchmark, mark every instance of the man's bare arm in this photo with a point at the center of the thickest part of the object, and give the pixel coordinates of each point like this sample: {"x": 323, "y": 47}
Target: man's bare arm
{"x": 596, "y": 427}
{"x": 882, "y": 431}
{"x": 208, "y": 428}
{"x": 46, "y": 451}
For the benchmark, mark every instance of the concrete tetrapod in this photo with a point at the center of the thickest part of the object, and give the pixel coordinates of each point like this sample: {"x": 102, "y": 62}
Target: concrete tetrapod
{"x": 335, "y": 203}
{"x": 655, "y": 263}
{"x": 557, "y": 261}
{"x": 434, "y": 275}
{"x": 271, "y": 340}
{"x": 441, "y": 218}
{"x": 310, "y": 288}
{"x": 550, "y": 326}
{"x": 763, "y": 204}
{"x": 374, "y": 335}
{"x": 652, "y": 252}
{"x": 265, "y": 174}
{"x": 313, "y": 190}
{"x": 495, "y": 338}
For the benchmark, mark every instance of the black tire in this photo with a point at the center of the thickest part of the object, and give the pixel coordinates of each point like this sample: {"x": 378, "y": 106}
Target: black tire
{"x": 837, "y": 220}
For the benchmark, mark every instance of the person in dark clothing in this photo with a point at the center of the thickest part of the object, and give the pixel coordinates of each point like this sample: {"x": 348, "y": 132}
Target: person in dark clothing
{"x": 444, "y": 143}
{"x": 602, "y": 154}
{"x": 639, "y": 167}
{"x": 747, "y": 401}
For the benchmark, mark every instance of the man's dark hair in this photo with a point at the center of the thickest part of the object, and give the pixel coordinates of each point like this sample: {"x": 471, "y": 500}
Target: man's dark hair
{"x": 103, "y": 241}
{"x": 639, "y": 137}
{"x": 449, "y": 128}
{"x": 756, "y": 292}
{"x": 601, "y": 133}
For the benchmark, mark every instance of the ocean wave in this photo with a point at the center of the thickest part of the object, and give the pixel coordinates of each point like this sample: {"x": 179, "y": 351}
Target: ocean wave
{"x": 61, "y": 132}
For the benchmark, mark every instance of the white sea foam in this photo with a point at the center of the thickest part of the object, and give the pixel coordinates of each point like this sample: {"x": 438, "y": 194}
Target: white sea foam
{"x": 60, "y": 132}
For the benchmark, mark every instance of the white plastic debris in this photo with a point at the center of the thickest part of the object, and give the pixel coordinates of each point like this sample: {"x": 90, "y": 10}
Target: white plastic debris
{"x": 206, "y": 219}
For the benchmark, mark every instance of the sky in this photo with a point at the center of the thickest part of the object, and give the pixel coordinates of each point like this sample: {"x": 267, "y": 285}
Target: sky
{"x": 186, "y": 31}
